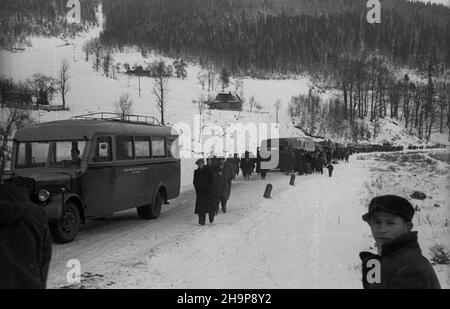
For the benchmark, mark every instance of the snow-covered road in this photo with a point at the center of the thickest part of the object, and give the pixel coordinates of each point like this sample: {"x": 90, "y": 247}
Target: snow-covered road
{"x": 306, "y": 236}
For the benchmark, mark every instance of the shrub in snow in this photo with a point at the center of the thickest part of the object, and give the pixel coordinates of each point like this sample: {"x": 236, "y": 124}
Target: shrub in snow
{"x": 439, "y": 254}
{"x": 418, "y": 195}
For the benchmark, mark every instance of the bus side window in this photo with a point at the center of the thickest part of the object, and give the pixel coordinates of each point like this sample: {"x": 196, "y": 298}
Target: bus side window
{"x": 124, "y": 147}
{"x": 142, "y": 147}
{"x": 103, "y": 149}
{"x": 158, "y": 147}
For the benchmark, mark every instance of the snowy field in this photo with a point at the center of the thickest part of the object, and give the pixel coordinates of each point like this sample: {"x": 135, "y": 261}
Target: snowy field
{"x": 305, "y": 236}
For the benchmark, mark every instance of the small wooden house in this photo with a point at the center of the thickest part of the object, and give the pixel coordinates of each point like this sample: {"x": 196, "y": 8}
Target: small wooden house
{"x": 226, "y": 101}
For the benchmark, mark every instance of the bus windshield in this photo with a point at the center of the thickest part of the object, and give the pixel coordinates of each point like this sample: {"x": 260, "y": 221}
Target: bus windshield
{"x": 58, "y": 154}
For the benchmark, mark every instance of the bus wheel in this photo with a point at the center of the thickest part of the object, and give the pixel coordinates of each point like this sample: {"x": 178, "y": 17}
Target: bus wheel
{"x": 67, "y": 227}
{"x": 151, "y": 211}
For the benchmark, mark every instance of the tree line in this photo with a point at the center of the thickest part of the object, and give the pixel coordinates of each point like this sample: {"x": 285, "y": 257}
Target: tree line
{"x": 259, "y": 37}
{"x": 370, "y": 91}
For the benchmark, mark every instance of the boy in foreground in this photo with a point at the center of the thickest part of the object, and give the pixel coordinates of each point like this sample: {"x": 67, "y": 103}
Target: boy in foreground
{"x": 399, "y": 263}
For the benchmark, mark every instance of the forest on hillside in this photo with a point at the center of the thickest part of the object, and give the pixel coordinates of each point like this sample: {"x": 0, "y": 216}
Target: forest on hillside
{"x": 272, "y": 36}
{"x": 20, "y": 19}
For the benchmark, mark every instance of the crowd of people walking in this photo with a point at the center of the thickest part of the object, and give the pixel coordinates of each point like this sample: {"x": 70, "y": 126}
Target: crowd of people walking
{"x": 213, "y": 178}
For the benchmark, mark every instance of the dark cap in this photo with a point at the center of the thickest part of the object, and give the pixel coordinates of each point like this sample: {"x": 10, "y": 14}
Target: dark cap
{"x": 390, "y": 203}
{"x": 200, "y": 161}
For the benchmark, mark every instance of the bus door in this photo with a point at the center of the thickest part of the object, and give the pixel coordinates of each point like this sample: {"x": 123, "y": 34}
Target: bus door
{"x": 100, "y": 179}
{"x": 129, "y": 176}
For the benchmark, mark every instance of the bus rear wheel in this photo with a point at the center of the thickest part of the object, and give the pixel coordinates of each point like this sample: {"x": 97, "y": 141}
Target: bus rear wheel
{"x": 66, "y": 229}
{"x": 151, "y": 211}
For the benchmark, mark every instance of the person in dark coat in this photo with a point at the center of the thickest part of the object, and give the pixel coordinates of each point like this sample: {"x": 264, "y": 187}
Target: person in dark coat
{"x": 330, "y": 168}
{"x": 25, "y": 241}
{"x": 228, "y": 173}
{"x": 221, "y": 192}
{"x": 236, "y": 162}
{"x": 211, "y": 164}
{"x": 263, "y": 171}
{"x": 246, "y": 167}
{"x": 203, "y": 184}
{"x": 228, "y": 170}
{"x": 400, "y": 260}
{"x": 230, "y": 162}
{"x": 258, "y": 161}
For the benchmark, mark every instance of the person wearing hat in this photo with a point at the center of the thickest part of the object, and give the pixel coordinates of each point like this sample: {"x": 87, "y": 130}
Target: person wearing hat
{"x": 203, "y": 182}
{"x": 400, "y": 260}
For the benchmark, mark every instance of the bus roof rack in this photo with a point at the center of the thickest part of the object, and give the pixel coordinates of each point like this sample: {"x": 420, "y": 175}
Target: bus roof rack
{"x": 140, "y": 119}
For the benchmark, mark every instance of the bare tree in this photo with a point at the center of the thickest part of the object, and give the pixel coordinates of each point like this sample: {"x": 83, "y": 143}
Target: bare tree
{"x": 161, "y": 85}
{"x": 180, "y": 68}
{"x": 43, "y": 87}
{"x": 202, "y": 79}
{"x": 211, "y": 76}
{"x": 277, "y": 108}
{"x": 63, "y": 81}
{"x": 11, "y": 119}
{"x": 108, "y": 63}
{"x": 239, "y": 87}
{"x": 251, "y": 102}
{"x": 258, "y": 107}
{"x": 376, "y": 126}
{"x": 124, "y": 105}
{"x": 97, "y": 50}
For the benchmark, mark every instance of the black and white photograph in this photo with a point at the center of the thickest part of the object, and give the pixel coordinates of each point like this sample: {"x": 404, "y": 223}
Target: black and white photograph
{"x": 218, "y": 145}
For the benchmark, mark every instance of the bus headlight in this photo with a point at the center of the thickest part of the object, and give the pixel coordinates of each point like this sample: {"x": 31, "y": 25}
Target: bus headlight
{"x": 43, "y": 195}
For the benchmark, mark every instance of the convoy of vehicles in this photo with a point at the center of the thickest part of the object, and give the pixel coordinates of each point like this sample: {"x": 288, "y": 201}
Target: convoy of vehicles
{"x": 94, "y": 165}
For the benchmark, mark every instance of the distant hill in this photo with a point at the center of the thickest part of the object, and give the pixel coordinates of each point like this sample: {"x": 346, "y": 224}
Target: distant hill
{"x": 279, "y": 36}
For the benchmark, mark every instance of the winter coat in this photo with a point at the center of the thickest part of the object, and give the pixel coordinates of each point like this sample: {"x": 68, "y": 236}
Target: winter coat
{"x": 258, "y": 162}
{"x": 203, "y": 184}
{"x": 228, "y": 172}
{"x": 25, "y": 242}
{"x": 247, "y": 166}
{"x": 402, "y": 266}
{"x": 220, "y": 187}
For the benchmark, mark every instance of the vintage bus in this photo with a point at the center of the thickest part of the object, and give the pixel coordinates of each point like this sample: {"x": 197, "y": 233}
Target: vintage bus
{"x": 94, "y": 165}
